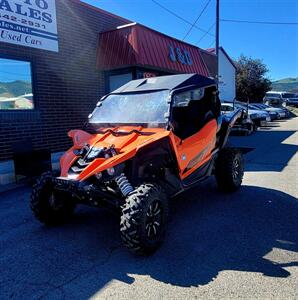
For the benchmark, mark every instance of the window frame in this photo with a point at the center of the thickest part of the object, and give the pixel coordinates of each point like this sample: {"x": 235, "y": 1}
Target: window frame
{"x": 181, "y": 90}
{"x": 32, "y": 69}
{"x": 175, "y": 101}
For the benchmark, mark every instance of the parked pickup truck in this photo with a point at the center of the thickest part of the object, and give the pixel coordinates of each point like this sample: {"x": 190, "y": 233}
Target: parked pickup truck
{"x": 278, "y": 99}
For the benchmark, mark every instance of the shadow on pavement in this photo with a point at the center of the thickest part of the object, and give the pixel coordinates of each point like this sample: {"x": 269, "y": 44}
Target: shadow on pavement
{"x": 262, "y": 159}
{"x": 208, "y": 233}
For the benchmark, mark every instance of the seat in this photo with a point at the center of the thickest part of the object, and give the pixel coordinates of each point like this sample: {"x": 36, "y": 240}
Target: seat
{"x": 190, "y": 119}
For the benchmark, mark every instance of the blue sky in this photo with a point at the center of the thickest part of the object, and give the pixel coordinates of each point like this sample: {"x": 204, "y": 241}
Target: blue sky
{"x": 11, "y": 70}
{"x": 277, "y": 45}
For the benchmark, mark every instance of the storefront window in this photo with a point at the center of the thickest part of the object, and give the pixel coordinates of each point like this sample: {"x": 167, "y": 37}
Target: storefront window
{"x": 15, "y": 85}
{"x": 116, "y": 81}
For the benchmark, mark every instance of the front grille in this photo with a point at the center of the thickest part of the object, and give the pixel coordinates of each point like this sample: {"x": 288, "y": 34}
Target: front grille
{"x": 87, "y": 155}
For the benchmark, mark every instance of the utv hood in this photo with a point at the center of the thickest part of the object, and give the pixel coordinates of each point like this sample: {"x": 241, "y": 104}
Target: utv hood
{"x": 125, "y": 140}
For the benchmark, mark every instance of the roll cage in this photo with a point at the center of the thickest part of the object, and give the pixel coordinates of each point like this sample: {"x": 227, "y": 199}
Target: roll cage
{"x": 190, "y": 116}
{"x": 189, "y": 119}
{"x": 175, "y": 85}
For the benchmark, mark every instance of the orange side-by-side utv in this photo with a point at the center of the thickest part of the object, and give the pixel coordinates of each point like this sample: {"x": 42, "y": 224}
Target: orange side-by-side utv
{"x": 144, "y": 143}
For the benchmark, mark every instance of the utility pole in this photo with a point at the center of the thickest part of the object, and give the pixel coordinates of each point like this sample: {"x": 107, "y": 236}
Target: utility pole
{"x": 217, "y": 43}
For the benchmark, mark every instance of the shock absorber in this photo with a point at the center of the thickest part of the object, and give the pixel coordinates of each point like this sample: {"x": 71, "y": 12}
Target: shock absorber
{"x": 123, "y": 184}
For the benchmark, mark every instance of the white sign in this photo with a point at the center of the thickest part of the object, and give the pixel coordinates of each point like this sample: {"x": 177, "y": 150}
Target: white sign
{"x": 30, "y": 23}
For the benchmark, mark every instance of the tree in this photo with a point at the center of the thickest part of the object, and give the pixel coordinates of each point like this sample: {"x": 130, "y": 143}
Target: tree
{"x": 251, "y": 81}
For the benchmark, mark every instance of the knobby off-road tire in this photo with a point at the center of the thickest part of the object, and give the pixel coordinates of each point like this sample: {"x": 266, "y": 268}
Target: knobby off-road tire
{"x": 229, "y": 169}
{"x": 48, "y": 207}
{"x": 144, "y": 219}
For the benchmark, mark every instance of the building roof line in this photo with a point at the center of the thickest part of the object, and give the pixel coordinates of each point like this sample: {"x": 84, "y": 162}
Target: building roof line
{"x": 208, "y": 52}
{"x": 212, "y": 51}
{"x": 228, "y": 57}
{"x": 156, "y": 31}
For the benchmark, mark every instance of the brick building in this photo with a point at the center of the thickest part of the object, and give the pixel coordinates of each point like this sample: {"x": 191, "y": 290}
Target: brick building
{"x": 66, "y": 84}
{"x": 91, "y": 52}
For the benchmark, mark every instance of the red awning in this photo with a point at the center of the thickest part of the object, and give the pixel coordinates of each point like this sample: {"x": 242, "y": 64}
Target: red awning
{"x": 137, "y": 45}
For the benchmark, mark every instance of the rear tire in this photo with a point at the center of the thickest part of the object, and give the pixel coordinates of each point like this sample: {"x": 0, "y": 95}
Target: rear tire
{"x": 47, "y": 206}
{"x": 229, "y": 169}
{"x": 144, "y": 218}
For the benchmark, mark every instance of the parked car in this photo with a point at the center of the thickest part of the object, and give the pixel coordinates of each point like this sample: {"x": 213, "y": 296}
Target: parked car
{"x": 291, "y": 99}
{"x": 259, "y": 117}
{"x": 272, "y": 113}
{"x": 278, "y": 99}
{"x": 244, "y": 124}
{"x": 281, "y": 112}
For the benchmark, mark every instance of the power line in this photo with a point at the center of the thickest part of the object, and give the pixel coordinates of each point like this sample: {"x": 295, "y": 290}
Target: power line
{"x": 258, "y": 22}
{"x": 203, "y": 36}
{"x": 213, "y": 42}
{"x": 179, "y": 17}
{"x": 197, "y": 19}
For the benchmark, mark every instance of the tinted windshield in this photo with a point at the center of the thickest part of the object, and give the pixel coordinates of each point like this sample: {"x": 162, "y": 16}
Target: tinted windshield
{"x": 146, "y": 109}
{"x": 288, "y": 95}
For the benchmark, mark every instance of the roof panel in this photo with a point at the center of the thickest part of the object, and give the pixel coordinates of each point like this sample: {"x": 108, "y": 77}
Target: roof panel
{"x": 169, "y": 82}
{"x": 147, "y": 47}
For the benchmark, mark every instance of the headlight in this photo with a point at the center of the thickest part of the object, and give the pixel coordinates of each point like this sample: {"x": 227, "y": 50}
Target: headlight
{"x": 111, "y": 171}
{"x": 94, "y": 153}
{"x": 82, "y": 151}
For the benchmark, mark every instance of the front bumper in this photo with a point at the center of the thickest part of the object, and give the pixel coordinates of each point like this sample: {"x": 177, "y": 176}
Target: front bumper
{"x": 282, "y": 115}
{"x": 274, "y": 116}
{"x": 87, "y": 193}
{"x": 261, "y": 121}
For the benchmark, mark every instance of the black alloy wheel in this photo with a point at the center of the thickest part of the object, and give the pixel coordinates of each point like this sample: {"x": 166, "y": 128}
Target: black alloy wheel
{"x": 144, "y": 219}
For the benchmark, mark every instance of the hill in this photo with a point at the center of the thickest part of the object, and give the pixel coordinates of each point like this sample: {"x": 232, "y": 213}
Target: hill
{"x": 15, "y": 88}
{"x": 286, "y": 84}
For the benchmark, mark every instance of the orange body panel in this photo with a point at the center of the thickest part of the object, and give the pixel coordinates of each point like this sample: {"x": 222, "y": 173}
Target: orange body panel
{"x": 191, "y": 153}
{"x": 194, "y": 151}
{"x": 126, "y": 145}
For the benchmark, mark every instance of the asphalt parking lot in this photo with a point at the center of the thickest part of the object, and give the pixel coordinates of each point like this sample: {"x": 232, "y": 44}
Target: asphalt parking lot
{"x": 241, "y": 245}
